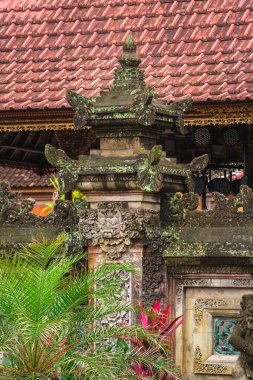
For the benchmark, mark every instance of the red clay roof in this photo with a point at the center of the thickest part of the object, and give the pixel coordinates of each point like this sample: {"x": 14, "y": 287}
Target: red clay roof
{"x": 202, "y": 48}
{"x": 21, "y": 177}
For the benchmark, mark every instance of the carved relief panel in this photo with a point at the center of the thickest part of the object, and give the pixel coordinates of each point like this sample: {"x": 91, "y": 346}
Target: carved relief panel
{"x": 113, "y": 226}
{"x": 210, "y": 306}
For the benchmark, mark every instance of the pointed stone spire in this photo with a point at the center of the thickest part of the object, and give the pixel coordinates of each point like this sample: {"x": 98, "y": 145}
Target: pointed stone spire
{"x": 129, "y": 44}
{"x": 129, "y": 76}
{"x": 129, "y": 57}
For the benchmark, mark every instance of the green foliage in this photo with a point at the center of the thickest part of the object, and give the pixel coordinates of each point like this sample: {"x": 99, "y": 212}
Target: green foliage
{"x": 56, "y": 185}
{"x": 76, "y": 195}
{"x": 51, "y": 310}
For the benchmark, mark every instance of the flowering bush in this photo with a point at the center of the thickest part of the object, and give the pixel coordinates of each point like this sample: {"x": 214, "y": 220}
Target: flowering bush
{"x": 155, "y": 322}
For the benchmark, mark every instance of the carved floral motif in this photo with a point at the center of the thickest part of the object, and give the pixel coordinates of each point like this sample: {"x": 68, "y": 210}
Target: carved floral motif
{"x": 206, "y": 303}
{"x": 201, "y": 367}
{"x": 153, "y": 280}
{"x": 124, "y": 295}
{"x": 17, "y": 212}
{"x": 237, "y": 211}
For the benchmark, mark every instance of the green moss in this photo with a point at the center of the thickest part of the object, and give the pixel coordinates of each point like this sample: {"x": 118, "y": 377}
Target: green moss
{"x": 129, "y": 44}
{"x": 123, "y": 115}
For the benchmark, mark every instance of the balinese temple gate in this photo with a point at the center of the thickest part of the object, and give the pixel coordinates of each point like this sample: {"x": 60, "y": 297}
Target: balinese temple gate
{"x": 142, "y": 208}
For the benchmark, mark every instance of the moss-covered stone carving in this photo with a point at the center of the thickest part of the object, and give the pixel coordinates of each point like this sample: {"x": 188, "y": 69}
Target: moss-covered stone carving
{"x": 149, "y": 172}
{"x": 68, "y": 168}
{"x": 224, "y": 231}
{"x": 230, "y": 212}
{"x": 82, "y": 108}
{"x": 129, "y": 103}
{"x": 19, "y": 225}
{"x": 242, "y": 340}
{"x": 149, "y": 176}
{"x": 15, "y": 212}
{"x": 129, "y": 115}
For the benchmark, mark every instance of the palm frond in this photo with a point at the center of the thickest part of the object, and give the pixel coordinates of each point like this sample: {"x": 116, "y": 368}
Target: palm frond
{"x": 52, "y": 316}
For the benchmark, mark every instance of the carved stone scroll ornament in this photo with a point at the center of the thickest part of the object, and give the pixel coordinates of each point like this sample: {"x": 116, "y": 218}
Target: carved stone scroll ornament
{"x": 144, "y": 110}
{"x": 153, "y": 170}
{"x": 201, "y": 304}
{"x": 153, "y": 280}
{"x": 17, "y": 212}
{"x": 82, "y": 108}
{"x": 180, "y": 108}
{"x": 68, "y": 168}
{"x": 182, "y": 210}
{"x": 146, "y": 104}
{"x": 149, "y": 173}
{"x": 201, "y": 367}
{"x": 242, "y": 339}
{"x": 113, "y": 226}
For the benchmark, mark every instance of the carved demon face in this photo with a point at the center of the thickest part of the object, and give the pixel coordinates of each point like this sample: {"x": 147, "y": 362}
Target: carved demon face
{"x": 110, "y": 227}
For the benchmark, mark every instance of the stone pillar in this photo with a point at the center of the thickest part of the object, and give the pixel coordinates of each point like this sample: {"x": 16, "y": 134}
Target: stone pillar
{"x": 115, "y": 227}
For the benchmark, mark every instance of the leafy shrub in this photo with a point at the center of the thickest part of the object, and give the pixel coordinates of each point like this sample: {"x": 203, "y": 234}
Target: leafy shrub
{"x": 51, "y": 310}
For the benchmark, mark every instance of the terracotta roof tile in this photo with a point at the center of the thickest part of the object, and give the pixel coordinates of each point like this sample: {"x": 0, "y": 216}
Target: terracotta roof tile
{"x": 188, "y": 47}
{"x": 24, "y": 177}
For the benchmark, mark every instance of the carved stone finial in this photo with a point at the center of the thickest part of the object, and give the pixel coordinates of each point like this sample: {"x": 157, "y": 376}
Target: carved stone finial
{"x": 129, "y": 57}
{"x": 68, "y": 168}
{"x": 128, "y": 109}
{"x": 129, "y": 44}
{"x": 82, "y": 108}
{"x": 198, "y": 164}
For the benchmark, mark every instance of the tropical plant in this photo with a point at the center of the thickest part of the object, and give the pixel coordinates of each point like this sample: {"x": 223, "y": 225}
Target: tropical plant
{"x": 155, "y": 321}
{"x": 56, "y": 185}
{"x": 76, "y": 195}
{"x": 51, "y": 319}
